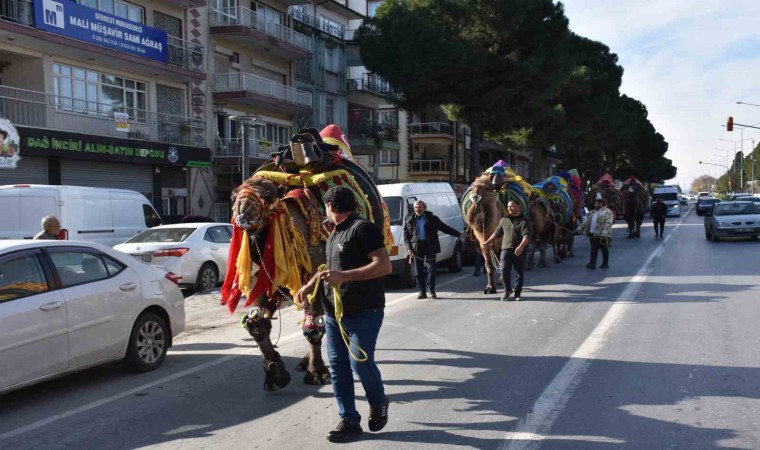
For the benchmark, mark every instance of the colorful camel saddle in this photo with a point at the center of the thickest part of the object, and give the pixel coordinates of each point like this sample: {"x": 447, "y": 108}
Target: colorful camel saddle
{"x": 574, "y": 190}
{"x": 554, "y": 190}
{"x": 606, "y": 188}
{"x": 513, "y": 189}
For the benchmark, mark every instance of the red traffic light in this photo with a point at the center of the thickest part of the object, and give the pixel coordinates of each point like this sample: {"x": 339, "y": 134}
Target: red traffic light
{"x": 730, "y": 124}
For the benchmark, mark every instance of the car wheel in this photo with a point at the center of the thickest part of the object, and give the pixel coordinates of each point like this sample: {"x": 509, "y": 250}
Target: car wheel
{"x": 715, "y": 238}
{"x": 707, "y": 235}
{"x": 208, "y": 277}
{"x": 455, "y": 262}
{"x": 409, "y": 276}
{"x": 148, "y": 343}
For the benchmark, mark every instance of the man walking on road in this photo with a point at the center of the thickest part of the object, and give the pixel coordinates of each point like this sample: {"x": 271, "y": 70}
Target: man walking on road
{"x": 357, "y": 261}
{"x": 421, "y": 238}
{"x": 659, "y": 211}
{"x": 515, "y": 232}
{"x": 598, "y": 227}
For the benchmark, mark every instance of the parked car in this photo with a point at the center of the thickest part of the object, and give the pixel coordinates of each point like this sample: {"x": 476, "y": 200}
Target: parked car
{"x": 69, "y": 305}
{"x": 705, "y": 204}
{"x": 683, "y": 200}
{"x": 733, "y": 219}
{"x": 195, "y": 252}
{"x": 441, "y": 201}
{"x": 103, "y": 215}
{"x": 669, "y": 196}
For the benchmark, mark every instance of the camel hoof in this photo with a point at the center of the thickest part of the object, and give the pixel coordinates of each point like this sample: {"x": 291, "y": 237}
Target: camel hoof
{"x": 542, "y": 265}
{"x": 301, "y": 367}
{"x": 489, "y": 290}
{"x": 316, "y": 378}
{"x": 275, "y": 375}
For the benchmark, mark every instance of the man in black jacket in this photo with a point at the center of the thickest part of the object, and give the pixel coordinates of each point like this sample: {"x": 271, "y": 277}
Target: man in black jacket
{"x": 421, "y": 238}
{"x": 659, "y": 211}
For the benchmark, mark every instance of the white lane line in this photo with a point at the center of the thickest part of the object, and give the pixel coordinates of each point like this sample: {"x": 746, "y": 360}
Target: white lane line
{"x": 97, "y": 403}
{"x": 531, "y": 430}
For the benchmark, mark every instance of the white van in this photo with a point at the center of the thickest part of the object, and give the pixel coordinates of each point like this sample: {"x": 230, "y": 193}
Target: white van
{"x": 103, "y": 215}
{"x": 441, "y": 201}
{"x": 669, "y": 196}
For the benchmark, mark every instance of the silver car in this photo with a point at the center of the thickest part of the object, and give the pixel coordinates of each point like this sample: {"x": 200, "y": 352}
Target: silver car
{"x": 732, "y": 219}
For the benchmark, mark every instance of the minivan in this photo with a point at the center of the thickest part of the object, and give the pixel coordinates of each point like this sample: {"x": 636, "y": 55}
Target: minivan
{"x": 103, "y": 215}
{"x": 669, "y": 196}
{"x": 441, "y": 201}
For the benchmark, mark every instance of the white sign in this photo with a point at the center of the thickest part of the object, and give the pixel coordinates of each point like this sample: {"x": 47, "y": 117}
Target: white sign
{"x": 10, "y": 152}
{"x": 122, "y": 121}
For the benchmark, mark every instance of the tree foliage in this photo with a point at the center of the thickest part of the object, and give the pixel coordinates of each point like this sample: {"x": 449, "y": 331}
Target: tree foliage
{"x": 512, "y": 70}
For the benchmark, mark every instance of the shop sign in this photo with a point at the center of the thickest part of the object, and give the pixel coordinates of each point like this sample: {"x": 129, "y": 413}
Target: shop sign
{"x": 122, "y": 121}
{"x": 75, "y": 21}
{"x": 10, "y": 153}
{"x": 41, "y": 142}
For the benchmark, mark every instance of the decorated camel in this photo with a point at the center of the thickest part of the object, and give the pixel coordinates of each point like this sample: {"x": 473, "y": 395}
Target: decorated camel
{"x": 567, "y": 239}
{"x": 484, "y": 204}
{"x": 279, "y": 236}
{"x": 635, "y": 200}
{"x": 554, "y": 190}
{"x": 609, "y": 192}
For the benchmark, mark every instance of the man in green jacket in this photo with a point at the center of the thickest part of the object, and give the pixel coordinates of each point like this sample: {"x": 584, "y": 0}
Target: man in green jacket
{"x": 515, "y": 232}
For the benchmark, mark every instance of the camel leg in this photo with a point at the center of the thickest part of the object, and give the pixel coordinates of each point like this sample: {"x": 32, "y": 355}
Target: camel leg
{"x": 314, "y": 330}
{"x": 542, "y": 251}
{"x": 530, "y": 260}
{"x": 490, "y": 271}
{"x": 258, "y": 323}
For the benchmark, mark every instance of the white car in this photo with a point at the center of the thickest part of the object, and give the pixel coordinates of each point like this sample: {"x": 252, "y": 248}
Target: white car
{"x": 69, "y": 305}
{"x": 195, "y": 252}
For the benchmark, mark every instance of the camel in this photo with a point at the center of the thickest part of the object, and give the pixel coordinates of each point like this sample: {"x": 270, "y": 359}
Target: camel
{"x": 635, "y": 199}
{"x": 544, "y": 231}
{"x": 482, "y": 217}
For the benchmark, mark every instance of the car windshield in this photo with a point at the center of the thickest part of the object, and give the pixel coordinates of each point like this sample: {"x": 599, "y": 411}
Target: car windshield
{"x": 666, "y": 196}
{"x": 394, "y": 209}
{"x": 736, "y": 209}
{"x": 162, "y": 235}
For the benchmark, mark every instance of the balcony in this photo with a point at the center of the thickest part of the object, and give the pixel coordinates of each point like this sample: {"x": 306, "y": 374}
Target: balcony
{"x": 369, "y": 89}
{"x": 254, "y": 90}
{"x": 259, "y": 32}
{"x": 185, "y": 60}
{"x": 40, "y": 110}
{"x": 431, "y": 132}
{"x": 185, "y": 4}
{"x": 233, "y": 148}
{"x": 317, "y": 24}
{"x": 428, "y": 167}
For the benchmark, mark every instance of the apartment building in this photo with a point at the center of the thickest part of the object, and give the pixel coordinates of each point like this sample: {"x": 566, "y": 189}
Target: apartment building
{"x": 108, "y": 93}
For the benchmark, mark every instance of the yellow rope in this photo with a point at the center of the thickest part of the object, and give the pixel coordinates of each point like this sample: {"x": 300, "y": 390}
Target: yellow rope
{"x": 338, "y": 316}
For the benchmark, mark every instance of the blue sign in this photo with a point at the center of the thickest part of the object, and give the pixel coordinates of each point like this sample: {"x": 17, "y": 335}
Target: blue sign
{"x": 82, "y": 23}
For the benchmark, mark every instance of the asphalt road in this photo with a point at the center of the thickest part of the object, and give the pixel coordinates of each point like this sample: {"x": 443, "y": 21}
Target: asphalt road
{"x": 658, "y": 352}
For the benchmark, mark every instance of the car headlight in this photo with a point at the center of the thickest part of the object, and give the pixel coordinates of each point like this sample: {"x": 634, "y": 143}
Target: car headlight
{"x": 722, "y": 224}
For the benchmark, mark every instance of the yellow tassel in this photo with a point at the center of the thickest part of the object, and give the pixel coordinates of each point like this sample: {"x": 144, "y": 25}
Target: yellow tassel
{"x": 243, "y": 265}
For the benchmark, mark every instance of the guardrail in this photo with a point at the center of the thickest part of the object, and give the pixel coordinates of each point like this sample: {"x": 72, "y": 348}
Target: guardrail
{"x": 430, "y": 128}
{"x": 243, "y": 16}
{"x": 230, "y": 82}
{"x": 40, "y": 110}
{"x": 313, "y": 22}
{"x": 184, "y": 54}
{"x": 233, "y": 147}
{"x": 428, "y": 165}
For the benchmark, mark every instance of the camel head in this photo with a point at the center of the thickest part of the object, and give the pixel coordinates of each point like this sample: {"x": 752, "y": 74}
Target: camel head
{"x": 481, "y": 187}
{"x": 254, "y": 201}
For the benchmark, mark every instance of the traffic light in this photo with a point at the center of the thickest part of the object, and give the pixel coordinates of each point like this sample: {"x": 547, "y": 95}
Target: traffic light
{"x": 730, "y": 124}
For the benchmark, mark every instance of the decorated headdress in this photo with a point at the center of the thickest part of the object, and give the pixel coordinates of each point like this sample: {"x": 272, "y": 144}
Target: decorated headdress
{"x": 332, "y": 134}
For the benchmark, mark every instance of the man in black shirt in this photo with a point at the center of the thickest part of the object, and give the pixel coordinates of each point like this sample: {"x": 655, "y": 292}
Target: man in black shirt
{"x": 659, "y": 211}
{"x": 515, "y": 232}
{"x": 357, "y": 260}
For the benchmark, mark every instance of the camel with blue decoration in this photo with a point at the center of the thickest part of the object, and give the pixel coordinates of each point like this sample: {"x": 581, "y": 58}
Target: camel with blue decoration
{"x": 278, "y": 241}
{"x": 551, "y": 210}
{"x": 568, "y": 230}
{"x": 485, "y": 203}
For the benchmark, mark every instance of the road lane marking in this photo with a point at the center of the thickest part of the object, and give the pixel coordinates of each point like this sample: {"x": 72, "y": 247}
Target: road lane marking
{"x": 535, "y": 426}
{"x": 104, "y": 401}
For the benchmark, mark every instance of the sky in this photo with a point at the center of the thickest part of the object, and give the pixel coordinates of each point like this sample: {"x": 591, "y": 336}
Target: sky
{"x": 689, "y": 62}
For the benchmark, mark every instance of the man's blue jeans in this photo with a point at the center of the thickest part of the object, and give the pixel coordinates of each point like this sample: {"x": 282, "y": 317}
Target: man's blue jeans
{"x": 363, "y": 327}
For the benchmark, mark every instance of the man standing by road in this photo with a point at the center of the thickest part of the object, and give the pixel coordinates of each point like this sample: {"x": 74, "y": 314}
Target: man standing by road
{"x": 50, "y": 229}
{"x": 357, "y": 261}
{"x": 598, "y": 227}
{"x": 421, "y": 238}
{"x": 515, "y": 232}
{"x": 659, "y": 211}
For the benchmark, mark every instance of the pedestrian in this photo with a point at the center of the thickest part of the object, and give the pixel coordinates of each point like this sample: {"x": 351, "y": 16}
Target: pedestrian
{"x": 421, "y": 238}
{"x": 598, "y": 228}
{"x": 515, "y": 232}
{"x": 357, "y": 261}
{"x": 51, "y": 227}
{"x": 659, "y": 211}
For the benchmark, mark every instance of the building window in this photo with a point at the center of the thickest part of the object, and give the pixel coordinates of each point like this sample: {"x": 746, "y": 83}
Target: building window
{"x": 388, "y": 157}
{"x": 330, "y": 60}
{"x": 329, "y": 110}
{"x": 387, "y": 119}
{"x": 269, "y": 13}
{"x": 118, "y": 8}
{"x": 372, "y": 6}
{"x": 89, "y": 92}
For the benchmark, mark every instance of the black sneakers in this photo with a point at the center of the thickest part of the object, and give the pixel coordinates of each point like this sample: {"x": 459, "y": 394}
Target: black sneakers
{"x": 378, "y": 416}
{"x": 590, "y": 266}
{"x": 422, "y": 295}
{"x": 432, "y": 295}
{"x": 347, "y": 430}
{"x": 604, "y": 266}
